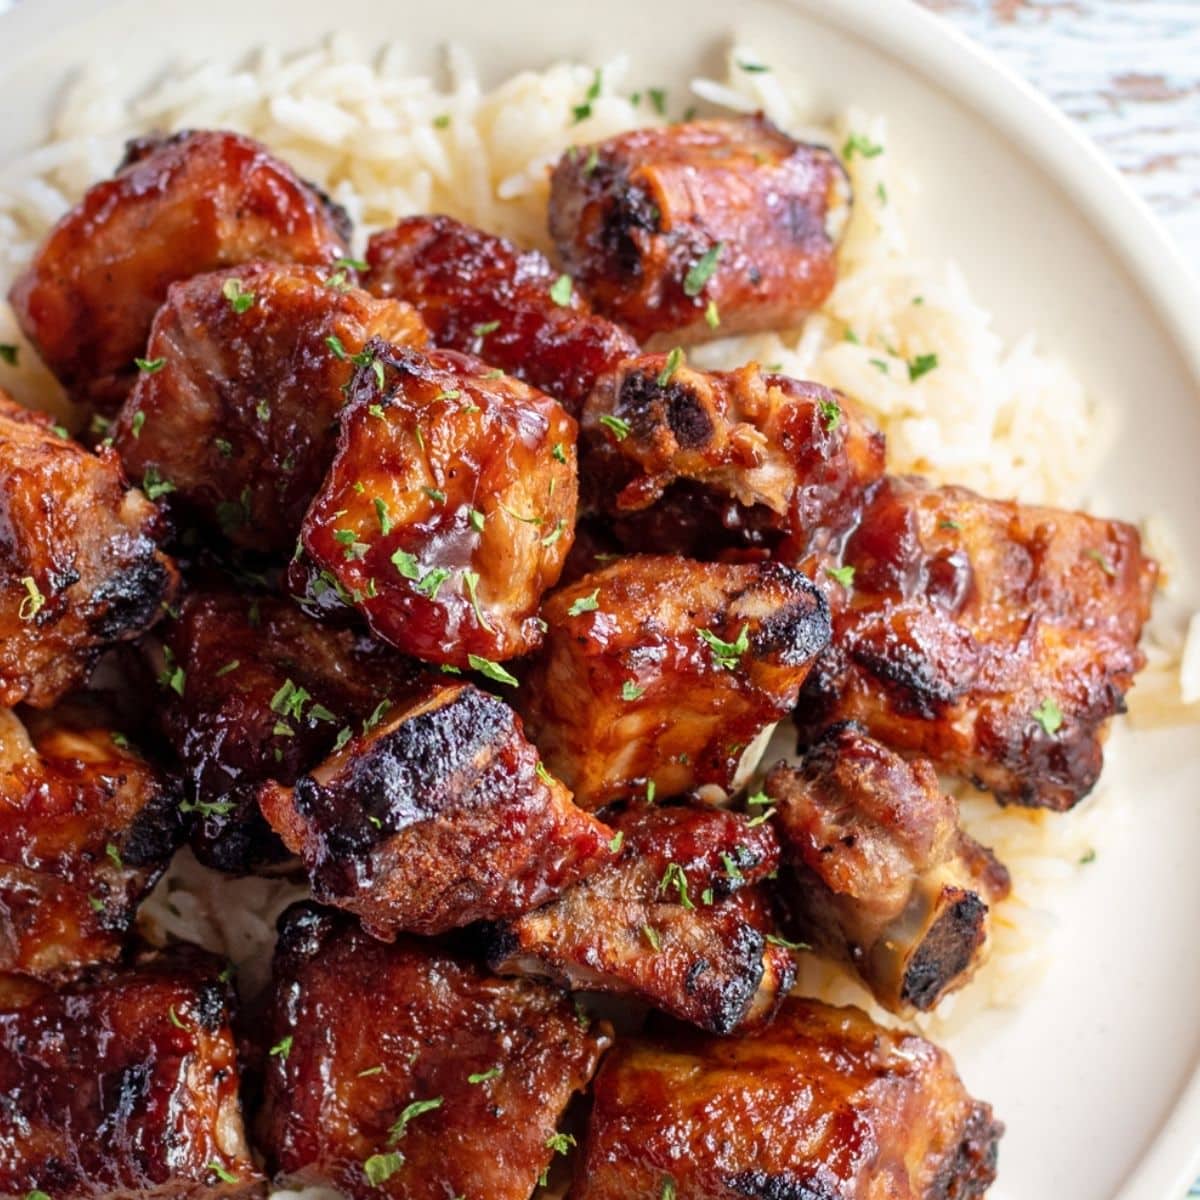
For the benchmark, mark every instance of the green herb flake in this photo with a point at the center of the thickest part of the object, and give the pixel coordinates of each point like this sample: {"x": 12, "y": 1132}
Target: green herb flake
{"x": 221, "y": 1172}
{"x": 282, "y": 1048}
{"x": 543, "y": 774}
{"x": 441, "y": 121}
{"x": 562, "y": 290}
{"x": 149, "y": 366}
{"x": 1087, "y": 857}
{"x": 435, "y": 494}
{"x": 381, "y": 511}
{"x": 753, "y": 68}
{"x": 732, "y": 870}
{"x": 379, "y": 1168}
{"x": 471, "y": 583}
{"x": 775, "y": 940}
{"x": 476, "y": 519}
{"x": 114, "y": 856}
{"x": 376, "y": 716}
{"x": 224, "y": 447}
{"x": 762, "y": 818}
{"x": 1049, "y": 716}
{"x": 880, "y": 365}
{"x": 842, "y": 575}
{"x": 674, "y": 877}
{"x": 668, "y": 1189}
{"x": 672, "y": 365}
{"x": 921, "y": 365}
{"x": 616, "y": 842}
{"x": 484, "y": 328}
{"x": 484, "y": 1076}
{"x": 10, "y": 354}
{"x": 617, "y": 426}
{"x": 369, "y": 1072}
{"x": 335, "y": 344}
{"x": 658, "y": 97}
{"x": 1102, "y": 561}
{"x": 560, "y": 1143}
{"x": 173, "y": 1017}
{"x": 712, "y": 315}
{"x": 344, "y": 735}
{"x": 831, "y": 413}
{"x": 630, "y": 691}
{"x": 33, "y": 602}
{"x": 585, "y": 604}
{"x": 491, "y": 670}
{"x": 701, "y": 271}
{"x": 239, "y": 300}
{"x": 136, "y": 422}
{"x": 859, "y": 143}
{"x": 559, "y": 452}
{"x": 416, "y": 1109}
{"x": 727, "y": 654}
{"x": 97, "y": 904}
{"x": 119, "y": 740}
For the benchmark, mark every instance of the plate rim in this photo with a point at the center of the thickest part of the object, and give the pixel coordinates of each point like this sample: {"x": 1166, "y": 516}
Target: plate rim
{"x": 971, "y": 76}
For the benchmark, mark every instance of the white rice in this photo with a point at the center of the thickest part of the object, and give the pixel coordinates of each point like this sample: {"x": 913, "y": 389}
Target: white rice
{"x": 1004, "y": 418}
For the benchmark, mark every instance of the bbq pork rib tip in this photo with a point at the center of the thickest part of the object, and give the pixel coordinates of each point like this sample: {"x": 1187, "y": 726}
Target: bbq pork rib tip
{"x": 448, "y": 510}
{"x": 700, "y": 229}
{"x": 675, "y": 920}
{"x": 663, "y": 671}
{"x": 265, "y": 692}
{"x": 437, "y": 815}
{"x": 79, "y": 564}
{"x": 123, "y": 1084}
{"x": 177, "y": 207}
{"x": 820, "y": 1105}
{"x": 995, "y": 639}
{"x": 480, "y": 294}
{"x": 796, "y": 456}
{"x": 428, "y": 1079}
{"x": 880, "y": 873}
{"x": 86, "y": 828}
{"x": 243, "y": 376}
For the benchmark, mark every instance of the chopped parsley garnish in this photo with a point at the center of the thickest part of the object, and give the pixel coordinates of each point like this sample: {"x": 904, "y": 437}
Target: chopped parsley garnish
{"x": 484, "y": 328}
{"x": 149, "y": 366}
{"x": 173, "y": 1016}
{"x": 732, "y": 870}
{"x": 370, "y": 1071}
{"x": 1088, "y": 856}
{"x": 34, "y": 601}
{"x": 335, "y": 344}
{"x": 712, "y": 315}
{"x": 444, "y": 394}
{"x": 776, "y": 940}
{"x": 414, "y": 1110}
{"x": 658, "y": 97}
{"x": 491, "y": 670}
{"x": 948, "y": 524}
{"x": 762, "y": 818}
{"x": 674, "y": 877}
{"x": 516, "y": 516}
{"x": 585, "y": 604}
{"x": 9, "y": 353}
{"x": 651, "y": 936}
{"x": 96, "y": 903}
{"x": 1049, "y": 716}
{"x": 630, "y": 691}
{"x": 701, "y": 271}
{"x": 831, "y": 413}
{"x": 616, "y": 842}
{"x": 119, "y": 740}
{"x": 880, "y": 365}
{"x": 842, "y": 575}
{"x": 582, "y": 111}
{"x": 344, "y": 735}
{"x": 484, "y": 1076}
{"x": 239, "y": 300}
{"x": 617, "y": 426}
{"x": 650, "y": 790}
{"x": 352, "y": 548}
{"x": 407, "y": 564}
{"x": 727, "y": 654}
{"x": 471, "y": 583}
{"x": 441, "y": 121}
{"x": 555, "y": 533}
{"x": 560, "y": 1143}
{"x": 154, "y": 485}
{"x": 542, "y": 773}
{"x": 207, "y": 808}
{"x": 476, "y": 519}
{"x": 561, "y": 290}
{"x": 593, "y": 160}
{"x": 859, "y": 143}
{"x": 224, "y": 447}
{"x": 1102, "y": 562}
{"x": 222, "y": 1173}
{"x": 376, "y": 715}
{"x": 668, "y": 1189}
{"x": 114, "y": 856}
{"x": 753, "y": 68}
{"x": 381, "y": 1167}
{"x": 136, "y": 422}
{"x": 289, "y": 700}
{"x": 282, "y": 1048}
{"x": 672, "y": 365}
{"x": 262, "y": 410}
{"x": 559, "y": 451}
{"x": 385, "y": 521}
{"x": 435, "y": 494}
{"x": 921, "y": 365}
{"x": 35, "y": 1195}
{"x": 350, "y": 264}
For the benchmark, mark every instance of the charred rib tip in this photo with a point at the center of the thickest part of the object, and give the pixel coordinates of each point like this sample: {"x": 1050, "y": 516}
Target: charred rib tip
{"x": 971, "y": 1169}
{"x": 946, "y": 951}
{"x": 758, "y": 1185}
{"x": 131, "y": 598}
{"x": 303, "y": 929}
{"x": 801, "y": 627}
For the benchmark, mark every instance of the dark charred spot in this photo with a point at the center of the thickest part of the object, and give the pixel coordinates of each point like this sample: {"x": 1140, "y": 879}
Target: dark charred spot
{"x": 630, "y": 212}
{"x": 760, "y": 1186}
{"x": 947, "y": 950}
{"x": 130, "y": 598}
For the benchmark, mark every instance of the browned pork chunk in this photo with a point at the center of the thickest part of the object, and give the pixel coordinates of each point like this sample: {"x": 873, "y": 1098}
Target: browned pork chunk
{"x": 235, "y": 407}
{"x": 480, "y": 294}
{"x": 700, "y": 229}
{"x": 86, "y": 827}
{"x": 994, "y": 639}
{"x": 880, "y": 872}
{"x": 177, "y": 206}
{"x": 123, "y": 1084}
{"x": 664, "y": 671}
{"x": 264, "y": 692}
{"x": 821, "y": 1105}
{"x": 79, "y": 567}
{"x": 675, "y": 920}
{"x": 793, "y": 458}
{"x": 438, "y": 815}
{"x": 448, "y": 510}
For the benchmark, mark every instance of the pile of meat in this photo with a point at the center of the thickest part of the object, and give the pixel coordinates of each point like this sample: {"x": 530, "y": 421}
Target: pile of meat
{"x": 442, "y": 580}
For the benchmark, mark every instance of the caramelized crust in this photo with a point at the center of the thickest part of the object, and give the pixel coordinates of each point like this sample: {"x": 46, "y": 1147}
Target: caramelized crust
{"x": 995, "y": 639}
{"x": 436, "y": 817}
{"x": 123, "y": 1085}
{"x": 79, "y": 567}
{"x": 675, "y": 920}
{"x": 448, "y": 510}
{"x": 433, "y": 1076}
{"x": 881, "y": 873}
{"x": 86, "y": 827}
{"x": 482, "y": 295}
{"x": 821, "y": 1105}
{"x": 795, "y": 456}
{"x": 638, "y": 218}
{"x": 266, "y": 693}
{"x": 664, "y": 671}
{"x": 177, "y": 207}
{"x": 237, "y": 409}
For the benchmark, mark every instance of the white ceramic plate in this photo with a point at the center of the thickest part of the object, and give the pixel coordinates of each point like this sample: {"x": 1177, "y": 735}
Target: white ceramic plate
{"x": 1098, "y": 1073}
